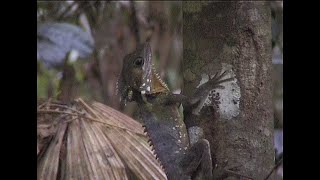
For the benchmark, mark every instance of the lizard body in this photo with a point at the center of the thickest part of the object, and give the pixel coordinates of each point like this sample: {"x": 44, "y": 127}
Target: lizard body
{"x": 167, "y": 133}
{"x": 158, "y": 110}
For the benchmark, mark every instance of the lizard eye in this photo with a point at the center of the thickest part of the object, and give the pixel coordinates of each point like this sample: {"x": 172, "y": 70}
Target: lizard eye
{"x": 138, "y": 62}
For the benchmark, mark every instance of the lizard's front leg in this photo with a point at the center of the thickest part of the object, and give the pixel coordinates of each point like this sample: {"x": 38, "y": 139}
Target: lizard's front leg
{"x": 192, "y": 105}
{"x": 199, "y": 154}
{"x": 201, "y": 92}
{"x": 197, "y": 160}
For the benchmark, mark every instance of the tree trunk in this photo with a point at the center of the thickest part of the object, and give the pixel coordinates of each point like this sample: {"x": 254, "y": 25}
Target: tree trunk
{"x": 233, "y": 36}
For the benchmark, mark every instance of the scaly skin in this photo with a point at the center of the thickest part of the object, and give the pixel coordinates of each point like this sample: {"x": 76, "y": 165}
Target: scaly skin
{"x": 158, "y": 110}
{"x": 167, "y": 132}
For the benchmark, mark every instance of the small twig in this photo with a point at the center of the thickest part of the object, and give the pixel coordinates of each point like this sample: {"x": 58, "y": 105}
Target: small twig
{"x": 54, "y": 122}
{"x": 237, "y": 174}
{"x": 43, "y": 104}
{"x": 79, "y": 100}
{"x": 274, "y": 168}
{"x": 66, "y": 11}
{"x": 67, "y": 121}
{"x": 67, "y": 107}
{"x": 82, "y": 8}
{"x": 41, "y": 111}
{"x": 48, "y": 103}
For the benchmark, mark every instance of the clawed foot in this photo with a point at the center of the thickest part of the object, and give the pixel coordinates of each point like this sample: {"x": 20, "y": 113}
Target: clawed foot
{"x": 213, "y": 83}
{"x": 218, "y": 79}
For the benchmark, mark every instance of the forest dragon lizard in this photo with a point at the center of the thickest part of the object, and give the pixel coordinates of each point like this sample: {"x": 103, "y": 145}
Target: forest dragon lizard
{"x": 158, "y": 110}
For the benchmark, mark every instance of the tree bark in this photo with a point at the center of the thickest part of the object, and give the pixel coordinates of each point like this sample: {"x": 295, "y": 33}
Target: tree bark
{"x": 233, "y": 36}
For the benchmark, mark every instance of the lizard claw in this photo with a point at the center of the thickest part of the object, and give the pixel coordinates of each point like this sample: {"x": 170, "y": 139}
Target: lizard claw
{"x": 218, "y": 79}
{"x": 213, "y": 83}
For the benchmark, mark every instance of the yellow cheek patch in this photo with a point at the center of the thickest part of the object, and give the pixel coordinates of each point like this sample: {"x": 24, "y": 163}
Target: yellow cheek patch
{"x": 158, "y": 86}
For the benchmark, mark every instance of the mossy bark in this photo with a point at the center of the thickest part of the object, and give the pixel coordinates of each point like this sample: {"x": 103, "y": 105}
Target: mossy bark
{"x": 237, "y": 34}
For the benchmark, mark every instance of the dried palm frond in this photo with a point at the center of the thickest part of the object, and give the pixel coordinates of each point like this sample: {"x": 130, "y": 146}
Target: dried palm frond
{"x": 92, "y": 141}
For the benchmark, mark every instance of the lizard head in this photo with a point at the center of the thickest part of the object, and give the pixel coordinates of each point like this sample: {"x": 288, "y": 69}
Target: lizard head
{"x": 137, "y": 67}
{"x": 138, "y": 74}
{"x": 135, "y": 74}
